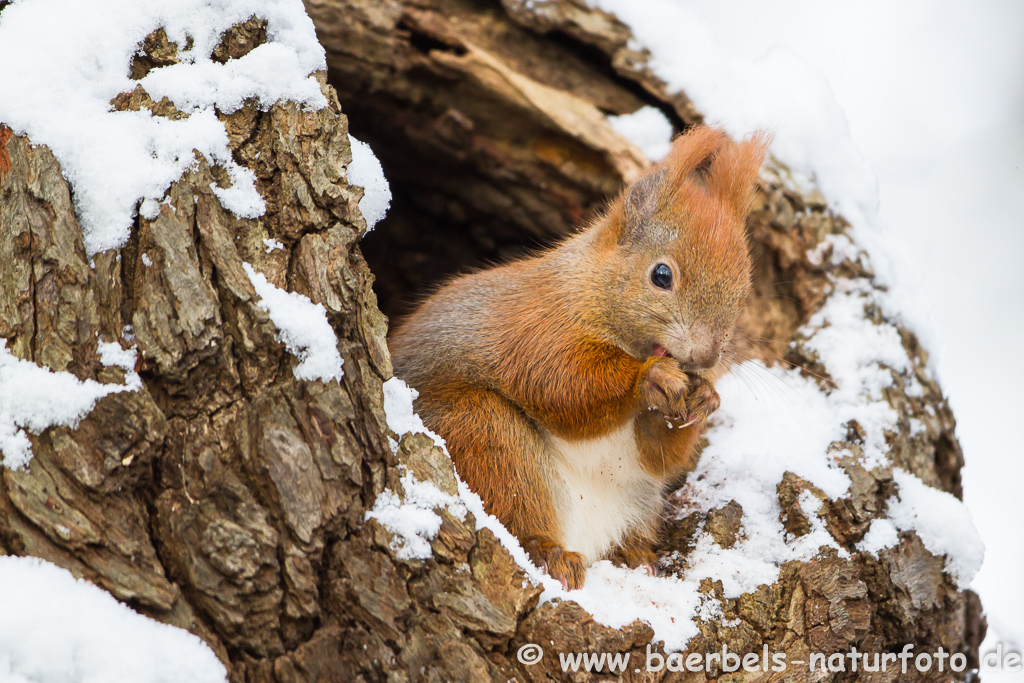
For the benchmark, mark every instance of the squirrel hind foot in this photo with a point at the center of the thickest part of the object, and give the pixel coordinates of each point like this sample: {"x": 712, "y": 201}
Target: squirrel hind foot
{"x": 634, "y": 556}
{"x": 568, "y": 567}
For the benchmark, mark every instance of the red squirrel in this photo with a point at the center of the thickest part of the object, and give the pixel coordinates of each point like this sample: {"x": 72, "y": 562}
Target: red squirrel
{"x": 571, "y": 386}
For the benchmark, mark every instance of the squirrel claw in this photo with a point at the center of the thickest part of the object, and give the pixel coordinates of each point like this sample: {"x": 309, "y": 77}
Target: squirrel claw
{"x": 674, "y": 421}
{"x": 665, "y": 389}
{"x": 635, "y": 554}
{"x": 703, "y": 401}
{"x": 566, "y": 566}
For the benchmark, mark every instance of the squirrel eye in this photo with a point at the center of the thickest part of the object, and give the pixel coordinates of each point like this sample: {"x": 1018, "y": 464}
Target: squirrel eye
{"x": 661, "y": 276}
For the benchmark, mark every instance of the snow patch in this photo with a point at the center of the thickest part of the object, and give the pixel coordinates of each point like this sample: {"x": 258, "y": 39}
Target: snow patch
{"x": 755, "y": 439}
{"x": 941, "y": 521}
{"x": 55, "y": 628}
{"x": 302, "y": 327}
{"x": 881, "y": 534}
{"x": 64, "y": 61}
{"x": 112, "y": 354}
{"x": 412, "y": 519}
{"x": 366, "y": 172}
{"x": 861, "y": 357}
{"x": 648, "y": 128}
{"x": 241, "y": 197}
{"x": 34, "y": 398}
{"x": 402, "y": 419}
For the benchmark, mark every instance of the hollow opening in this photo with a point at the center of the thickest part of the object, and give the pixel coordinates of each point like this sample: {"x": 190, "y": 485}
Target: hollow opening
{"x": 449, "y": 216}
{"x": 433, "y": 231}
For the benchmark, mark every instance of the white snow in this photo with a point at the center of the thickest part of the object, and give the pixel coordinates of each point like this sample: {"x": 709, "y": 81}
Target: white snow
{"x": 881, "y": 534}
{"x": 860, "y": 357}
{"x": 366, "y": 172}
{"x": 648, "y": 128}
{"x": 272, "y": 245}
{"x": 773, "y": 420}
{"x": 34, "y": 398}
{"x": 402, "y": 419}
{"x": 55, "y": 628}
{"x": 413, "y": 526}
{"x": 753, "y": 442}
{"x": 302, "y": 327}
{"x": 63, "y": 61}
{"x": 412, "y": 519}
{"x": 113, "y": 354}
{"x": 942, "y": 522}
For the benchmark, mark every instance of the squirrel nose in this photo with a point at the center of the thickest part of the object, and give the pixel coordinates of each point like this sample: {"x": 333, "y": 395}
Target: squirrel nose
{"x": 705, "y": 355}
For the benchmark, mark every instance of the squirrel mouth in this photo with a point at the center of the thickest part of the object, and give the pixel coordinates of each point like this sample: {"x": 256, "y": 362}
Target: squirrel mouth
{"x": 660, "y": 350}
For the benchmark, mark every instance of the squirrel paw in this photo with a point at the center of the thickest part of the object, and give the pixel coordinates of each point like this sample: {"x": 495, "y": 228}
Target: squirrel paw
{"x": 568, "y": 567}
{"x": 702, "y": 401}
{"x": 634, "y": 556}
{"x": 666, "y": 388}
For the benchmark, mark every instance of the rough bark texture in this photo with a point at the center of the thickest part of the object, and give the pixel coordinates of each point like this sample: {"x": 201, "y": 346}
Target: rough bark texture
{"x": 228, "y": 498}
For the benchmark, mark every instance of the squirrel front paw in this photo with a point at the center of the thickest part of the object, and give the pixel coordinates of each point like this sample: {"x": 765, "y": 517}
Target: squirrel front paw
{"x": 682, "y": 397}
{"x": 702, "y": 401}
{"x": 666, "y": 388}
{"x": 568, "y": 567}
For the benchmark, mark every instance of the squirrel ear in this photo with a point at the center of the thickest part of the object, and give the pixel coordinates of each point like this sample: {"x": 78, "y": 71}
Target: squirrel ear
{"x": 641, "y": 203}
{"x": 660, "y": 187}
{"x": 733, "y": 173}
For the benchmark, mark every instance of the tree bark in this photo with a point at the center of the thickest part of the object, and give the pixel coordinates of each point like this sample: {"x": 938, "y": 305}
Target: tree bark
{"x": 229, "y": 498}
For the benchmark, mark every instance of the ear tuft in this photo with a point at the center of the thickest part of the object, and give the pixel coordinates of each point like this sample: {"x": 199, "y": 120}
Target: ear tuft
{"x": 734, "y": 171}
{"x": 692, "y": 153}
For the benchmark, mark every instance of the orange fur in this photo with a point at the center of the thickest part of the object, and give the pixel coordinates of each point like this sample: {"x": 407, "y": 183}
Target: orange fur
{"x": 5, "y": 159}
{"x": 517, "y": 363}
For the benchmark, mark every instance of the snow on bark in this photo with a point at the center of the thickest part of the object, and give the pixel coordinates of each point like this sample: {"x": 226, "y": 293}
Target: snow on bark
{"x": 64, "y": 61}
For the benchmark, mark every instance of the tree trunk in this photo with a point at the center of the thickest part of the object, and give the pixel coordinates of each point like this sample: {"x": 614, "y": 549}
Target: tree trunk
{"x": 229, "y": 498}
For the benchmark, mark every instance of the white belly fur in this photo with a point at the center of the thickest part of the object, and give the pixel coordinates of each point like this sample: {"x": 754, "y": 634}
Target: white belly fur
{"x": 600, "y": 491}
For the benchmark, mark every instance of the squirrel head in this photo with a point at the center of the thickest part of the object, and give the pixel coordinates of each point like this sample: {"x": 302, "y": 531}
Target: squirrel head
{"x": 675, "y": 251}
